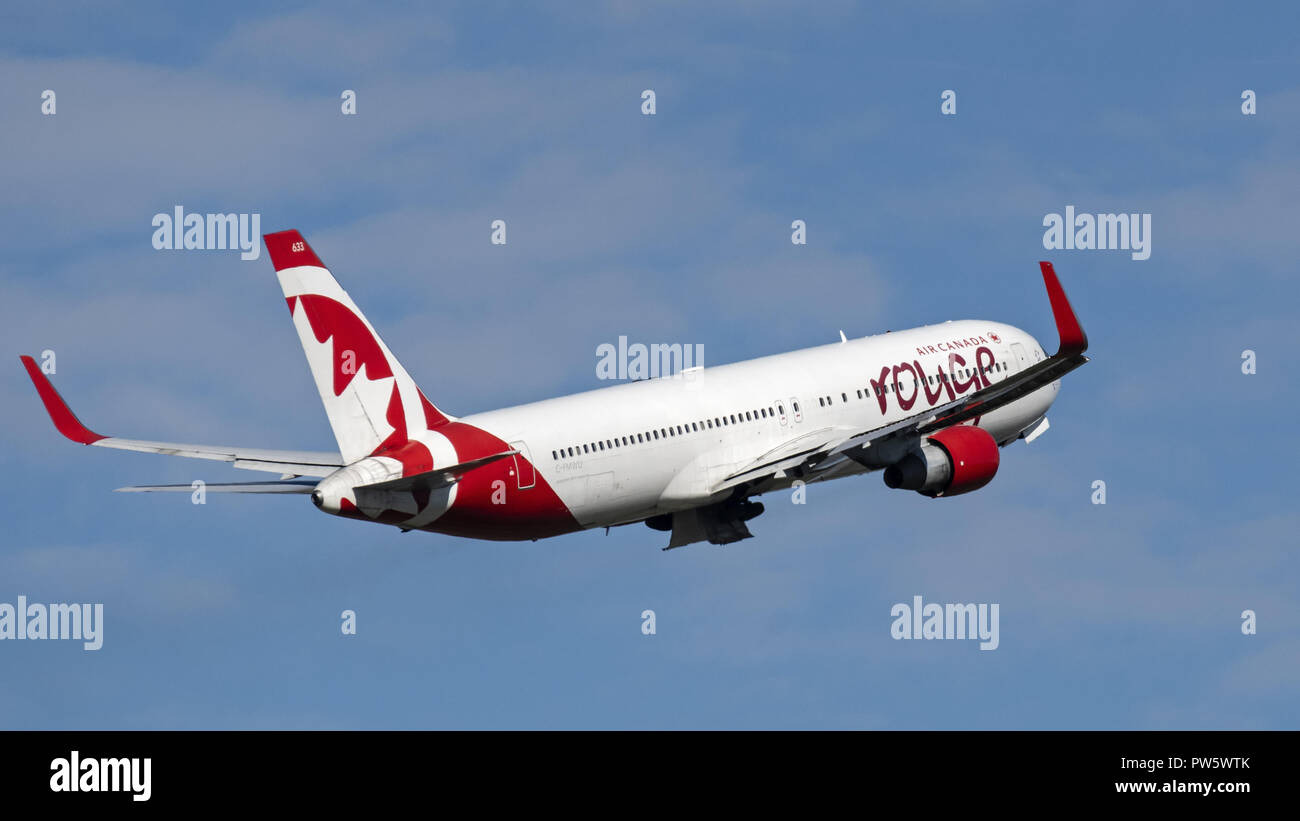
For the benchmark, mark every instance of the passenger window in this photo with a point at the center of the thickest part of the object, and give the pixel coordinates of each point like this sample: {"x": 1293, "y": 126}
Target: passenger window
{"x": 844, "y": 397}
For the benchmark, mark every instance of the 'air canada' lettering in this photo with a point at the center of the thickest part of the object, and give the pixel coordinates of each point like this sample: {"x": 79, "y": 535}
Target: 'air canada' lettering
{"x": 911, "y": 376}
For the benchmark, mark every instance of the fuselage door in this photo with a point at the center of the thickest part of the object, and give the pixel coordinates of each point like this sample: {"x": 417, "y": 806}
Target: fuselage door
{"x": 1022, "y": 357}
{"x": 525, "y": 473}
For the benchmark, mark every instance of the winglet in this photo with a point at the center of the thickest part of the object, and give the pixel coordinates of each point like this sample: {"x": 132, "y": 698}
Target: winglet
{"x": 60, "y": 414}
{"x": 289, "y": 250}
{"x": 1073, "y": 339}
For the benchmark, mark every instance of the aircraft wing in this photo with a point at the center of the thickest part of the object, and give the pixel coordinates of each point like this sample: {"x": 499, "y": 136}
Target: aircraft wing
{"x": 1069, "y": 356}
{"x": 286, "y": 462}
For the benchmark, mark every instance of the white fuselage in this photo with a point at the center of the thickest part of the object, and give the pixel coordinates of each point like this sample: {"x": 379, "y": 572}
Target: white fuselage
{"x": 630, "y": 451}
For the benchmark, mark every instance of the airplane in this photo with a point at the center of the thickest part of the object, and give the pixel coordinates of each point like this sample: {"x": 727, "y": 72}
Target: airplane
{"x": 686, "y": 453}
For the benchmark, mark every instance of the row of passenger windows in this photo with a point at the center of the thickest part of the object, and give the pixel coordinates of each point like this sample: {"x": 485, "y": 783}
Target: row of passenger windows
{"x": 894, "y": 387}
{"x": 684, "y": 429}
{"x": 745, "y": 416}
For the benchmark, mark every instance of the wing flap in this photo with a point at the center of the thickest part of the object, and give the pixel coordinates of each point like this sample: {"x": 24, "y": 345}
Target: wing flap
{"x": 789, "y": 454}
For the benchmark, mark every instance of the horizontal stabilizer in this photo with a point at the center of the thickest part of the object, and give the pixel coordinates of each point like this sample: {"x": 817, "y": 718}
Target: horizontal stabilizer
{"x": 300, "y": 486}
{"x": 404, "y": 494}
{"x": 432, "y": 479}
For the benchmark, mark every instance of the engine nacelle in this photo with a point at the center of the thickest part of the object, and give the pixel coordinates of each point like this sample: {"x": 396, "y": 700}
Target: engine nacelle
{"x": 954, "y": 460}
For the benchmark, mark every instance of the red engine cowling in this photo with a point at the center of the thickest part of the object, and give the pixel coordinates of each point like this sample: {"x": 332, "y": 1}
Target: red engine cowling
{"x": 954, "y": 460}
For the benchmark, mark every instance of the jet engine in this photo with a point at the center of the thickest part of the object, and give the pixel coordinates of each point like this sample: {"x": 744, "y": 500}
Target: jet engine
{"x": 954, "y": 460}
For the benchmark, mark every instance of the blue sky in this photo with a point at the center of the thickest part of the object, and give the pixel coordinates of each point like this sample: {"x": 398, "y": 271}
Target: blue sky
{"x": 671, "y": 228}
